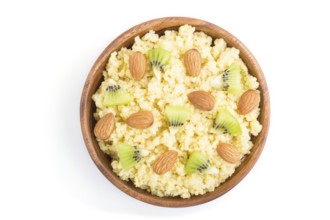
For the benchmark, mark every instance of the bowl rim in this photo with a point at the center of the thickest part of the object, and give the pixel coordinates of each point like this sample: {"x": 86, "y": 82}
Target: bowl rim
{"x": 95, "y": 74}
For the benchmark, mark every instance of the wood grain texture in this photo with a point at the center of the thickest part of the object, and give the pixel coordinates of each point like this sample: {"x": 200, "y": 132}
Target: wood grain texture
{"x": 93, "y": 81}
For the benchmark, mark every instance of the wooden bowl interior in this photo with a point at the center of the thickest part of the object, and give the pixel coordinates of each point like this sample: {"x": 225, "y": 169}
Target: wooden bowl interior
{"x": 95, "y": 78}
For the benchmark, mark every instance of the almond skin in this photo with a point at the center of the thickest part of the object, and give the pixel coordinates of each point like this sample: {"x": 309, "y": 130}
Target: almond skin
{"x": 140, "y": 120}
{"x": 105, "y": 126}
{"x": 193, "y": 62}
{"x": 228, "y": 153}
{"x": 248, "y": 101}
{"x": 202, "y": 100}
{"x": 137, "y": 65}
{"x": 165, "y": 162}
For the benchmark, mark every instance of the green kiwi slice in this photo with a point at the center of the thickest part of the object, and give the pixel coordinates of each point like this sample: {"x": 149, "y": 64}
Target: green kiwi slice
{"x": 227, "y": 123}
{"x": 232, "y": 79}
{"x": 158, "y": 59}
{"x": 197, "y": 163}
{"x": 177, "y": 115}
{"x": 128, "y": 155}
{"x": 115, "y": 95}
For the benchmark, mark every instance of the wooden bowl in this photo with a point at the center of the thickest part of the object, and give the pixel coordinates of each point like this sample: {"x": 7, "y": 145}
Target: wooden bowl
{"x": 94, "y": 79}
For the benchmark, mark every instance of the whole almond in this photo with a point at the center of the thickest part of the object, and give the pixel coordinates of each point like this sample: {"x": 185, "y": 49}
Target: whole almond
{"x": 248, "y": 101}
{"x": 228, "y": 153}
{"x": 137, "y": 65}
{"x": 105, "y": 126}
{"x": 165, "y": 162}
{"x": 193, "y": 62}
{"x": 140, "y": 120}
{"x": 202, "y": 100}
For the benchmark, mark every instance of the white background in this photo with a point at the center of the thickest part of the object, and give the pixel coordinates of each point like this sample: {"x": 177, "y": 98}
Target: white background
{"x": 46, "y": 51}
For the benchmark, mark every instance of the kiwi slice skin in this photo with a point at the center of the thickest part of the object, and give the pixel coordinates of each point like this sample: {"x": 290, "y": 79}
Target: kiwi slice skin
{"x": 227, "y": 123}
{"x": 197, "y": 163}
{"x": 232, "y": 79}
{"x": 115, "y": 95}
{"x": 159, "y": 58}
{"x": 128, "y": 155}
{"x": 177, "y": 115}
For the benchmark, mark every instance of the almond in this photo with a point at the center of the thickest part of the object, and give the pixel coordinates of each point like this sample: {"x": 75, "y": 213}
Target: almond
{"x": 137, "y": 65}
{"x": 193, "y": 62}
{"x": 248, "y": 101}
{"x": 105, "y": 126}
{"x": 229, "y": 153}
{"x": 140, "y": 120}
{"x": 202, "y": 100}
{"x": 165, "y": 162}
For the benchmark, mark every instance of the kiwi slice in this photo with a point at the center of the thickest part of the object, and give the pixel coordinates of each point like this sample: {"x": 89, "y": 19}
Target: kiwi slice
{"x": 177, "y": 115}
{"x": 128, "y": 155}
{"x": 115, "y": 95}
{"x": 227, "y": 123}
{"x": 158, "y": 59}
{"x": 197, "y": 163}
{"x": 232, "y": 79}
